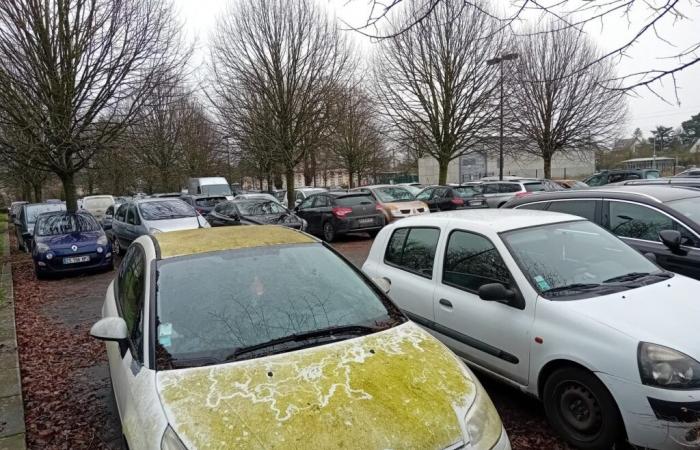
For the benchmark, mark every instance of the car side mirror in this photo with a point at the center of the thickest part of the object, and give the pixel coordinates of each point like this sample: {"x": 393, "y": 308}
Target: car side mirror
{"x": 110, "y": 329}
{"x": 382, "y": 283}
{"x": 495, "y": 292}
{"x": 671, "y": 239}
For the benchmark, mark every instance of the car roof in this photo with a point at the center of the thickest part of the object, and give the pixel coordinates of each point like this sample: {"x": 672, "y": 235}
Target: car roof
{"x": 655, "y": 193}
{"x": 204, "y": 240}
{"x": 156, "y": 199}
{"x": 498, "y": 220}
{"x": 343, "y": 194}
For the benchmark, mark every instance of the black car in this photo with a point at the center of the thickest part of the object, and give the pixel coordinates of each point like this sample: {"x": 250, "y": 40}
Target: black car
{"x": 448, "y": 198}
{"x": 203, "y": 204}
{"x": 331, "y": 214}
{"x": 613, "y": 176}
{"x": 659, "y": 220}
{"x": 253, "y": 212}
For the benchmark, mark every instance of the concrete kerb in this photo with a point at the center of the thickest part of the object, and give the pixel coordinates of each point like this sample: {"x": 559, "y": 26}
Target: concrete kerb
{"x": 12, "y": 430}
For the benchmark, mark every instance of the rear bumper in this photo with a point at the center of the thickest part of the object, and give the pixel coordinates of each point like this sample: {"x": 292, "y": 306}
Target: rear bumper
{"x": 353, "y": 226}
{"x": 657, "y": 418}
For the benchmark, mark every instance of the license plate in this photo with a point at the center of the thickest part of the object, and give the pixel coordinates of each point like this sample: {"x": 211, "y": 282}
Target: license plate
{"x": 476, "y": 203}
{"x": 76, "y": 259}
{"x": 365, "y": 221}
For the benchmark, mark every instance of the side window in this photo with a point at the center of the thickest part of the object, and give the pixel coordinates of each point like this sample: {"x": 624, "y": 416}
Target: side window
{"x": 131, "y": 286}
{"x": 424, "y": 194}
{"x": 509, "y": 188}
{"x": 299, "y": 196}
{"x": 539, "y": 206}
{"x": 121, "y": 212}
{"x": 440, "y": 192}
{"x": 491, "y": 188}
{"x": 131, "y": 216}
{"x": 306, "y": 204}
{"x": 321, "y": 201}
{"x": 413, "y": 249}
{"x": 110, "y": 211}
{"x": 581, "y": 208}
{"x": 472, "y": 261}
{"x": 637, "y": 221}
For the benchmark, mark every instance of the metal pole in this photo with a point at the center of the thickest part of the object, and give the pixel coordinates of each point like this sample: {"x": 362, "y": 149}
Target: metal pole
{"x": 653, "y": 166}
{"x": 500, "y": 141}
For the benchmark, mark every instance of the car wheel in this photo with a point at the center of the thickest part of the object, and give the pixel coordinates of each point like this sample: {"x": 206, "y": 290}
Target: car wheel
{"x": 501, "y": 204}
{"x": 581, "y": 410}
{"x": 328, "y": 232}
{"x": 116, "y": 249}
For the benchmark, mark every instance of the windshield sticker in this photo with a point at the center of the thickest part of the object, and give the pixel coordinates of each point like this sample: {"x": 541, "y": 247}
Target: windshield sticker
{"x": 542, "y": 283}
{"x": 165, "y": 331}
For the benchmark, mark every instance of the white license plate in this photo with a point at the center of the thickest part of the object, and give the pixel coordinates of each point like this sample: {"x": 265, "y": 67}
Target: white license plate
{"x": 76, "y": 259}
{"x": 476, "y": 203}
{"x": 365, "y": 221}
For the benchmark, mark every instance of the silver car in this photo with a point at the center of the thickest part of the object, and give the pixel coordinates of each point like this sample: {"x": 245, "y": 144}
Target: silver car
{"x": 150, "y": 216}
{"x": 497, "y": 193}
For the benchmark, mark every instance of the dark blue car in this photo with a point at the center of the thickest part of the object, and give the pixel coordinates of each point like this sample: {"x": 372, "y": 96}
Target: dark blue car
{"x": 70, "y": 242}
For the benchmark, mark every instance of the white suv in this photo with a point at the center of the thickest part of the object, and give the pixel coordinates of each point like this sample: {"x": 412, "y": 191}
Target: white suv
{"x": 560, "y": 308}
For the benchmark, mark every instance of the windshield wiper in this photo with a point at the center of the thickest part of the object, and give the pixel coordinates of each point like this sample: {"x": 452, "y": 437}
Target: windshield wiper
{"x": 636, "y": 275}
{"x": 303, "y": 337}
{"x": 571, "y": 287}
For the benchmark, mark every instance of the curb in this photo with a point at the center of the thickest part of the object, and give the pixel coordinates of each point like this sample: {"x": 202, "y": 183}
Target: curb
{"x": 12, "y": 431}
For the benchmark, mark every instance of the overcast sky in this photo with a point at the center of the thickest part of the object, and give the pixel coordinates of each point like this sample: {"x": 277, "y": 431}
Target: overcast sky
{"x": 646, "y": 110}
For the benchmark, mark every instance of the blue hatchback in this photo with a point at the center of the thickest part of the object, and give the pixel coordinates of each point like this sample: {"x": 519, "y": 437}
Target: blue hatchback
{"x": 70, "y": 242}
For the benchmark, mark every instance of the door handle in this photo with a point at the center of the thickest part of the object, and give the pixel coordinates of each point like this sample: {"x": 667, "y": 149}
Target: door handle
{"x": 445, "y": 302}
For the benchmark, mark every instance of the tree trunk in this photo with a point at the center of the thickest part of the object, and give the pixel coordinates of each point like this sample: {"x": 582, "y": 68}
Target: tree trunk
{"x": 289, "y": 176}
{"x": 547, "y": 166}
{"x": 442, "y": 175}
{"x": 350, "y": 182}
{"x": 68, "y": 181}
{"x": 37, "y": 192}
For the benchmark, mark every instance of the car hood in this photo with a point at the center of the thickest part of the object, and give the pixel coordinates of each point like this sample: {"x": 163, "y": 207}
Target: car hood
{"x": 67, "y": 240}
{"x": 405, "y": 205}
{"x": 665, "y": 313}
{"x": 399, "y": 388}
{"x": 185, "y": 223}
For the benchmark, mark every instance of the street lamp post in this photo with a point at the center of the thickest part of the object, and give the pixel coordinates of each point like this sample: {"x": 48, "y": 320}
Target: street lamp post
{"x": 499, "y": 60}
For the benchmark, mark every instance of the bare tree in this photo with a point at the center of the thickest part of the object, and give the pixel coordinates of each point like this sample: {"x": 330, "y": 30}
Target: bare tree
{"x": 434, "y": 82}
{"x": 644, "y": 19}
{"x": 356, "y": 140}
{"x": 556, "y": 113}
{"x": 289, "y": 55}
{"x": 66, "y": 67}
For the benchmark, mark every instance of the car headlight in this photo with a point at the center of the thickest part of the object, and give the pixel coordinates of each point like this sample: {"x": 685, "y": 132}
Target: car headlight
{"x": 483, "y": 422}
{"x": 102, "y": 240}
{"x": 155, "y": 231}
{"x": 42, "y": 248}
{"x": 171, "y": 441}
{"x": 396, "y": 212}
{"x": 667, "y": 368}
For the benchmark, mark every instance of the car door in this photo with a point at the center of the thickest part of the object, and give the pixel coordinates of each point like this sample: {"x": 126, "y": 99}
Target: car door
{"x": 491, "y": 334}
{"x": 442, "y": 197}
{"x": 323, "y": 206}
{"x": 409, "y": 266}
{"x": 119, "y": 227}
{"x": 126, "y": 360}
{"x": 132, "y": 224}
{"x": 306, "y": 211}
{"x": 639, "y": 226}
{"x": 490, "y": 193}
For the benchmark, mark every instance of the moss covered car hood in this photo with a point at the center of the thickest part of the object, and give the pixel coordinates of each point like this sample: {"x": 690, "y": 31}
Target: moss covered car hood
{"x": 399, "y": 388}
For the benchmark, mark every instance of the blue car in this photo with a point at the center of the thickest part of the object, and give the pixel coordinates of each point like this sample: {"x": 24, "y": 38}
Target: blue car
{"x": 70, "y": 242}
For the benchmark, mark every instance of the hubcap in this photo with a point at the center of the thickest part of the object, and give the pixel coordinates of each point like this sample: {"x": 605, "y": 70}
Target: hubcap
{"x": 579, "y": 408}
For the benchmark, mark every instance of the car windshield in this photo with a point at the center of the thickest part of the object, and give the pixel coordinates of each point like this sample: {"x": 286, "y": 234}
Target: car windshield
{"x": 413, "y": 189}
{"x": 215, "y": 189}
{"x": 354, "y": 200}
{"x": 689, "y": 207}
{"x": 467, "y": 191}
{"x": 209, "y": 202}
{"x": 166, "y": 209}
{"x": 259, "y": 207}
{"x": 56, "y": 224}
{"x": 97, "y": 202}
{"x": 253, "y": 296}
{"x": 394, "y": 194}
{"x": 576, "y": 259}
{"x": 33, "y": 211}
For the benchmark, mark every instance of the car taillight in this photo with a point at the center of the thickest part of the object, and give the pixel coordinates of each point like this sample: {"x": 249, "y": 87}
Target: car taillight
{"x": 340, "y": 213}
{"x": 457, "y": 201}
{"x": 522, "y": 194}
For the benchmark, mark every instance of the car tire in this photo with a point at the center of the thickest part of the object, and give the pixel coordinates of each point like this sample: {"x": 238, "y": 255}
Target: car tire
{"x": 39, "y": 275}
{"x": 580, "y": 408}
{"x": 328, "y": 232}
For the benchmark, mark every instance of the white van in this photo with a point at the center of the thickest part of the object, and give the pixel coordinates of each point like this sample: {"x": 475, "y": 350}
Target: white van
{"x": 210, "y": 186}
{"x": 97, "y": 204}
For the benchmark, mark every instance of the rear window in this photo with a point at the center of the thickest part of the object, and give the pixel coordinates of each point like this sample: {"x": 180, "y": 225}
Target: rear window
{"x": 97, "y": 202}
{"x": 166, "y": 209}
{"x": 354, "y": 200}
{"x": 533, "y": 187}
{"x": 209, "y": 202}
{"x": 467, "y": 191}
{"x": 65, "y": 224}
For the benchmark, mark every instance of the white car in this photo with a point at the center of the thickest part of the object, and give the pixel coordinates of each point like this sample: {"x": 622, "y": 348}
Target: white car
{"x": 561, "y": 309}
{"x": 260, "y": 337}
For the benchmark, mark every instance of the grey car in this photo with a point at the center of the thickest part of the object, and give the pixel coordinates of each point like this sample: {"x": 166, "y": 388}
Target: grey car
{"x": 149, "y": 216}
{"x": 497, "y": 193}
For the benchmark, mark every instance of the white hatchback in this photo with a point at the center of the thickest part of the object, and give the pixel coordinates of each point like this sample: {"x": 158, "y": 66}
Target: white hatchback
{"x": 560, "y": 308}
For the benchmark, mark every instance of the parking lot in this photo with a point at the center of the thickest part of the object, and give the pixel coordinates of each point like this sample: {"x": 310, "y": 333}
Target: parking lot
{"x": 66, "y": 387}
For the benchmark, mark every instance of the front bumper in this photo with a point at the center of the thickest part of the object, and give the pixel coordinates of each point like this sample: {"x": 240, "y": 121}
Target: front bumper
{"x": 662, "y": 419}
{"x": 55, "y": 265}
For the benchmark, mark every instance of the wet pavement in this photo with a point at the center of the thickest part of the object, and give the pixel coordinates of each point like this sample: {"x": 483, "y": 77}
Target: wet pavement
{"x": 71, "y": 305}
